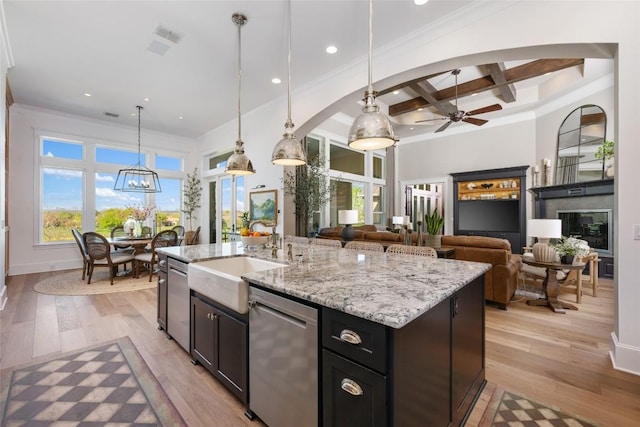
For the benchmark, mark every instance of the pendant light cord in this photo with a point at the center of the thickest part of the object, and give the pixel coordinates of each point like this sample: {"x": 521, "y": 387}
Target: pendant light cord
{"x": 370, "y": 88}
{"x": 139, "y": 109}
{"x": 239, "y": 23}
{"x": 289, "y": 69}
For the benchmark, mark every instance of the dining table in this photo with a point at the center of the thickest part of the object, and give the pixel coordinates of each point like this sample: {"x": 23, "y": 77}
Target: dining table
{"x": 138, "y": 243}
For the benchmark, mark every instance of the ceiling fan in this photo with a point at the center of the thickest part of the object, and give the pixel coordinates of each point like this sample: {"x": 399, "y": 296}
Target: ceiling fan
{"x": 464, "y": 116}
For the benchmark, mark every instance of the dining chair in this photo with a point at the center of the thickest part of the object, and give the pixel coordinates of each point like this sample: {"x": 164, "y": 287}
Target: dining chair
{"x": 192, "y": 238}
{"x": 163, "y": 239}
{"x": 100, "y": 255}
{"x": 83, "y": 251}
{"x": 397, "y": 249}
{"x": 118, "y": 232}
{"x": 328, "y": 242}
{"x": 364, "y": 246}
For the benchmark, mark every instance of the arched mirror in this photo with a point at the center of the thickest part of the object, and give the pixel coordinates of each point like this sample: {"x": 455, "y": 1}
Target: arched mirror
{"x": 579, "y": 137}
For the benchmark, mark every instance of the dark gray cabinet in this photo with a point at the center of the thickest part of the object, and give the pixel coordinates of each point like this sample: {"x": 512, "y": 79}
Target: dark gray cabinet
{"x": 428, "y": 373}
{"x": 162, "y": 292}
{"x": 219, "y": 341}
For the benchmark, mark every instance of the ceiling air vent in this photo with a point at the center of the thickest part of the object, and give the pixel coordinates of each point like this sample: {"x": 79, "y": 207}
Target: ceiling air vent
{"x": 165, "y": 33}
{"x": 111, "y": 114}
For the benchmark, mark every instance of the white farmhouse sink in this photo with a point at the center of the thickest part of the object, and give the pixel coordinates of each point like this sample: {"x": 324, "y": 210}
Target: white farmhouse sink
{"x": 220, "y": 279}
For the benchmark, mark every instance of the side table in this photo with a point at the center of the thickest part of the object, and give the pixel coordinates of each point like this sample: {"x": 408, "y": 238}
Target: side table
{"x": 551, "y": 286}
{"x": 446, "y": 252}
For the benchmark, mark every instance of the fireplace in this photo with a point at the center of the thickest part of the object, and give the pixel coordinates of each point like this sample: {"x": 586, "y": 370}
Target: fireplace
{"x": 586, "y": 209}
{"x": 593, "y": 225}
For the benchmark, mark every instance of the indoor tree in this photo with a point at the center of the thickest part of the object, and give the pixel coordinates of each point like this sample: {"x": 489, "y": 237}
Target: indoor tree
{"x": 192, "y": 192}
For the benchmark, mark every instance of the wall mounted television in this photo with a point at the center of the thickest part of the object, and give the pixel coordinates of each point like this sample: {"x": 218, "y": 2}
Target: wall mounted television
{"x": 489, "y": 215}
{"x": 593, "y": 225}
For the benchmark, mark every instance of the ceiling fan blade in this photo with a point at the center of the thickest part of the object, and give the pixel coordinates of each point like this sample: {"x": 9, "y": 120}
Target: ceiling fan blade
{"x": 487, "y": 109}
{"x": 444, "y": 126}
{"x": 432, "y": 120}
{"x": 474, "y": 121}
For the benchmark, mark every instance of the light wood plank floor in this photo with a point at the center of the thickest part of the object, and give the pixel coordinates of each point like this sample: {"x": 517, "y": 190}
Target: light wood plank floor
{"x": 558, "y": 359}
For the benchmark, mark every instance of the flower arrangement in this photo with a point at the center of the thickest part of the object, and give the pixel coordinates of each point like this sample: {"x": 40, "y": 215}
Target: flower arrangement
{"x": 139, "y": 212}
{"x": 570, "y": 246}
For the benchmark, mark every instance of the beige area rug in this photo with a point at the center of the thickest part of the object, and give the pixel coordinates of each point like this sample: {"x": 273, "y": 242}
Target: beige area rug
{"x": 71, "y": 283}
{"x": 507, "y": 409}
{"x": 105, "y": 385}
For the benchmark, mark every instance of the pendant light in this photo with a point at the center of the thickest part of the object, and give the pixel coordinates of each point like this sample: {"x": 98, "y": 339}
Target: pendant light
{"x": 288, "y": 151}
{"x": 372, "y": 129}
{"x": 138, "y": 178}
{"x": 238, "y": 163}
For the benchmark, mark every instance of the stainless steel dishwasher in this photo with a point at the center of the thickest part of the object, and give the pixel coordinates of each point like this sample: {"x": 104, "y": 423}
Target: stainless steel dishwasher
{"x": 283, "y": 360}
{"x": 178, "y": 303}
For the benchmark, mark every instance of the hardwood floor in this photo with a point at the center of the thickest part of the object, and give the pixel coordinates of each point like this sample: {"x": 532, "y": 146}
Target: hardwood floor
{"x": 561, "y": 360}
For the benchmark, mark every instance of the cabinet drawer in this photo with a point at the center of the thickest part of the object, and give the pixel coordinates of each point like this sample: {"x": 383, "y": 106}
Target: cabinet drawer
{"x": 162, "y": 263}
{"x": 358, "y": 339}
{"x": 352, "y": 395}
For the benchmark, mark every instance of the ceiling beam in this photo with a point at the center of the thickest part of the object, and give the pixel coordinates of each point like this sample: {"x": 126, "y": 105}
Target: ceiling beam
{"x": 512, "y": 75}
{"x": 427, "y": 91}
{"x": 507, "y": 90}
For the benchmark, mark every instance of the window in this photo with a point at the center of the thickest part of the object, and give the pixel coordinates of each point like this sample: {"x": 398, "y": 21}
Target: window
{"x": 346, "y": 160}
{"x": 76, "y": 189}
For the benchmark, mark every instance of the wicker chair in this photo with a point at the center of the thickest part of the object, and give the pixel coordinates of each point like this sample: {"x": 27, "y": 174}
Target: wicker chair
{"x": 83, "y": 251}
{"x": 180, "y": 230}
{"x": 328, "y": 242}
{"x": 397, "y": 249}
{"x": 364, "y": 246}
{"x": 191, "y": 238}
{"x": 163, "y": 239}
{"x": 100, "y": 255}
{"x": 116, "y": 232}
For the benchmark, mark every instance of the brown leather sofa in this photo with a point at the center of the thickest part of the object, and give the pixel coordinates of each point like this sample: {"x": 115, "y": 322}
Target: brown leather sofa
{"x": 367, "y": 233}
{"x": 501, "y": 281}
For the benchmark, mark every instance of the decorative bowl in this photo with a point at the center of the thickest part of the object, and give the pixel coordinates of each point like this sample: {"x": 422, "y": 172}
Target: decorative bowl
{"x": 254, "y": 241}
{"x": 487, "y": 185}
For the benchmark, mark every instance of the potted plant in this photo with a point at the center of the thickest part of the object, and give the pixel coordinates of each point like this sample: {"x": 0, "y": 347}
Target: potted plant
{"x": 311, "y": 189}
{"x": 568, "y": 248}
{"x": 605, "y": 152}
{"x": 192, "y": 192}
{"x": 433, "y": 225}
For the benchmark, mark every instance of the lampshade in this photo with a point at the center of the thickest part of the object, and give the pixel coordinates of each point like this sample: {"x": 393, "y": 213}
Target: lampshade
{"x": 372, "y": 129}
{"x": 137, "y": 178}
{"x": 544, "y": 228}
{"x": 288, "y": 151}
{"x": 238, "y": 163}
{"x": 398, "y": 220}
{"x": 347, "y": 217}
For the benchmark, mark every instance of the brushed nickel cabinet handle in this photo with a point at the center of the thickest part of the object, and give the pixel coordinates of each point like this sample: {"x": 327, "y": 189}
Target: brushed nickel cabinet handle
{"x": 351, "y": 337}
{"x": 162, "y": 281}
{"x": 351, "y": 387}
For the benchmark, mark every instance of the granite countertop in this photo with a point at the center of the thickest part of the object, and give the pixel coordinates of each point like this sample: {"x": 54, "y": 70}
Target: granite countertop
{"x": 388, "y": 289}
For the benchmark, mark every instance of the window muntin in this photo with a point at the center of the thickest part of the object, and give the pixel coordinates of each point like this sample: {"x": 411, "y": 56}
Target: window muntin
{"x": 168, "y": 205}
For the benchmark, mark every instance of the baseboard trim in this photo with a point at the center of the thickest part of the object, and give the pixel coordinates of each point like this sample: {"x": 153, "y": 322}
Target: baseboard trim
{"x": 15, "y": 270}
{"x": 624, "y": 358}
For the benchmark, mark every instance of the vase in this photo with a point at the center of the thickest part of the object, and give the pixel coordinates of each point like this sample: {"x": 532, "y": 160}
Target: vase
{"x": 137, "y": 230}
{"x": 566, "y": 259}
{"x": 433, "y": 240}
{"x": 129, "y": 225}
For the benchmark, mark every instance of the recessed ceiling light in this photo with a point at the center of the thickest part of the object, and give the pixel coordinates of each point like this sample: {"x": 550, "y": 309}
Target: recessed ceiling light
{"x": 420, "y": 2}
{"x": 331, "y": 49}
{"x": 546, "y": 74}
{"x": 87, "y": 94}
{"x": 180, "y": 117}
{"x": 474, "y": 94}
{"x": 276, "y": 81}
{"x": 420, "y": 109}
{"x": 395, "y": 92}
{"x": 133, "y": 114}
{"x": 410, "y": 128}
{"x": 146, "y": 99}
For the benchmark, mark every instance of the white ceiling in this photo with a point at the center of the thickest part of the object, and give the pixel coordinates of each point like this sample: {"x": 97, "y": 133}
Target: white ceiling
{"x": 62, "y": 49}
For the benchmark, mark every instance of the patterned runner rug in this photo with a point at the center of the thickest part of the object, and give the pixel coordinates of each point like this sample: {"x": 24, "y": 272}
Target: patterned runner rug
{"x": 506, "y": 409}
{"x": 109, "y": 384}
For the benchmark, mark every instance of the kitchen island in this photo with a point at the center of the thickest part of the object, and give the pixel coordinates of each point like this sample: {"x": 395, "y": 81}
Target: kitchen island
{"x": 408, "y": 332}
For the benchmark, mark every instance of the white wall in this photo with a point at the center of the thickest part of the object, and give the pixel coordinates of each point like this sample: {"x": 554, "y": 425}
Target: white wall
{"x": 26, "y": 256}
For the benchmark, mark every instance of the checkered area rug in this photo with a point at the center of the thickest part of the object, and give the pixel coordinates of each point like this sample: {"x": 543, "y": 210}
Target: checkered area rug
{"x": 105, "y": 385}
{"x": 517, "y": 411}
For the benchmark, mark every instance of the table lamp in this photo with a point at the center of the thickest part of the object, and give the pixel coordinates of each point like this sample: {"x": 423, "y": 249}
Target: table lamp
{"x": 544, "y": 229}
{"x": 397, "y": 221}
{"x": 347, "y": 218}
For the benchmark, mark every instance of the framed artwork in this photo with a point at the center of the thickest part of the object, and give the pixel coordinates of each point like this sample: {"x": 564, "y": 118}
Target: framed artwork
{"x": 263, "y": 206}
